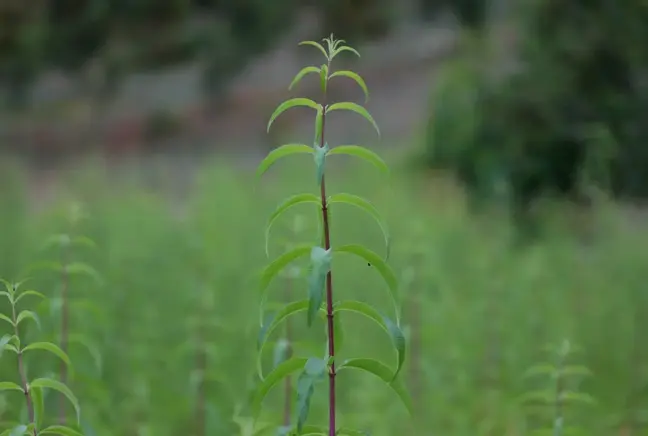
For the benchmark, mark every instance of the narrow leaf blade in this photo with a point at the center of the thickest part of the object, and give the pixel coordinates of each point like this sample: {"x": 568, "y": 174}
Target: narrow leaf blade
{"x": 278, "y": 153}
{"x": 381, "y": 371}
{"x": 283, "y": 207}
{"x": 46, "y": 383}
{"x": 356, "y": 77}
{"x": 304, "y": 71}
{"x": 354, "y": 107}
{"x": 280, "y": 372}
{"x": 362, "y": 153}
{"x": 293, "y": 102}
{"x": 365, "y": 205}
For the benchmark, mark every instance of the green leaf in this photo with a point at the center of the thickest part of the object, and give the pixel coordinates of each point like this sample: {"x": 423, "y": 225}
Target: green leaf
{"x": 301, "y": 74}
{"x": 319, "y": 124}
{"x": 7, "y": 319}
{"x": 28, "y": 314}
{"x": 315, "y": 370}
{"x": 313, "y": 430}
{"x": 4, "y": 340}
{"x": 19, "y": 430}
{"x": 84, "y": 241}
{"x": 60, "y": 430}
{"x": 30, "y": 293}
{"x": 283, "y": 207}
{"x": 320, "y": 267}
{"x": 354, "y": 107}
{"x": 398, "y": 339}
{"x": 345, "y": 48}
{"x": 46, "y": 383}
{"x": 293, "y": 102}
{"x": 363, "y": 153}
{"x": 392, "y": 329}
{"x": 10, "y": 386}
{"x": 278, "y": 153}
{"x": 354, "y": 76}
{"x": 38, "y": 401}
{"x": 316, "y": 45}
{"x": 380, "y": 265}
{"x": 365, "y": 205}
{"x": 51, "y": 348}
{"x": 280, "y": 372}
{"x": 273, "y": 269}
{"x": 285, "y": 312}
{"x": 381, "y": 371}
{"x": 91, "y": 349}
{"x": 82, "y": 269}
{"x": 320, "y": 161}
{"x": 324, "y": 75}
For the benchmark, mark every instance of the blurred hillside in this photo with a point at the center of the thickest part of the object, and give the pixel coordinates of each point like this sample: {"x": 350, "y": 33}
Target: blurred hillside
{"x": 195, "y": 101}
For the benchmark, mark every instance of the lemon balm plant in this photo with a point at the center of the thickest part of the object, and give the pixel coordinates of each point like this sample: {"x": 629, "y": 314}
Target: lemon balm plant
{"x": 321, "y": 299}
{"x": 32, "y": 390}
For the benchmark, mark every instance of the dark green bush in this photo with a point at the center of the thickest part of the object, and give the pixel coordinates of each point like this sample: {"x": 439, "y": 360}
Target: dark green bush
{"x": 572, "y": 112}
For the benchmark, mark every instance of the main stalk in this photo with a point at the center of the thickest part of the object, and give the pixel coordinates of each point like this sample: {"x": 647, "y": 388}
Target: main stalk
{"x": 329, "y": 283}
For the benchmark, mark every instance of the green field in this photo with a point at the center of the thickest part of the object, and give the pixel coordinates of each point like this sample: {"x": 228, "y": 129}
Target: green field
{"x": 162, "y": 290}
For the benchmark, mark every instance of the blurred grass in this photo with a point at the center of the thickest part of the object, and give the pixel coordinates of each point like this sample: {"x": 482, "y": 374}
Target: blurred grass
{"x": 487, "y": 307}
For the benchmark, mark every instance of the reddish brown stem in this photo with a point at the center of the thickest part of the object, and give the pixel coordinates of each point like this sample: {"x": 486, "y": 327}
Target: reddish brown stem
{"x": 329, "y": 290}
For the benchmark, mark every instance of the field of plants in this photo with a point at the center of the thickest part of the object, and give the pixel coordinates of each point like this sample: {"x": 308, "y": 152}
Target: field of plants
{"x": 129, "y": 314}
{"x": 162, "y": 310}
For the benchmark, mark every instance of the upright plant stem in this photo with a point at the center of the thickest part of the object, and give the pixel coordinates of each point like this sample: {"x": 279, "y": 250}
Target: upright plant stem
{"x": 65, "y": 327}
{"x": 329, "y": 287}
{"x": 23, "y": 375}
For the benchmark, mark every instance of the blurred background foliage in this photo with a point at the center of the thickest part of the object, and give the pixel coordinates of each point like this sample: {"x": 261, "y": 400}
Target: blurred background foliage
{"x": 564, "y": 104}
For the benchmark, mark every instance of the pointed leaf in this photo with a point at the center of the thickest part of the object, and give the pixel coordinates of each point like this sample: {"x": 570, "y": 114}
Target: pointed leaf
{"x": 282, "y": 371}
{"x": 354, "y": 107}
{"x": 84, "y": 241}
{"x": 82, "y": 269}
{"x": 51, "y": 348}
{"x": 60, "y": 430}
{"x": 278, "y": 153}
{"x": 283, "y": 207}
{"x": 314, "y": 370}
{"x": 363, "y": 153}
{"x": 273, "y": 269}
{"x": 19, "y": 430}
{"x": 320, "y": 266}
{"x": 365, "y": 205}
{"x": 319, "y": 125}
{"x": 354, "y": 76}
{"x": 30, "y": 293}
{"x": 285, "y": 312}
{"x": 10, "y": 386}
{"x": 320, "y": 161}
{"x": 28, "y": 314}
{"x": 7, "y": 319}
{"x": 324, "y": 75}
{"x": 345, "y": 48}
{"x": 293, "y": 102}
{"x": 46, "y": 383}
{"x": 381, "y": 371}
{"x": 380, "y": 265}
{"x": 38, "y": 402}
{"x": 316, "y": 45}
{"x": 4, "y": 340}
{"x": 301, "y": 74}
{"x": 392, "y": 329}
